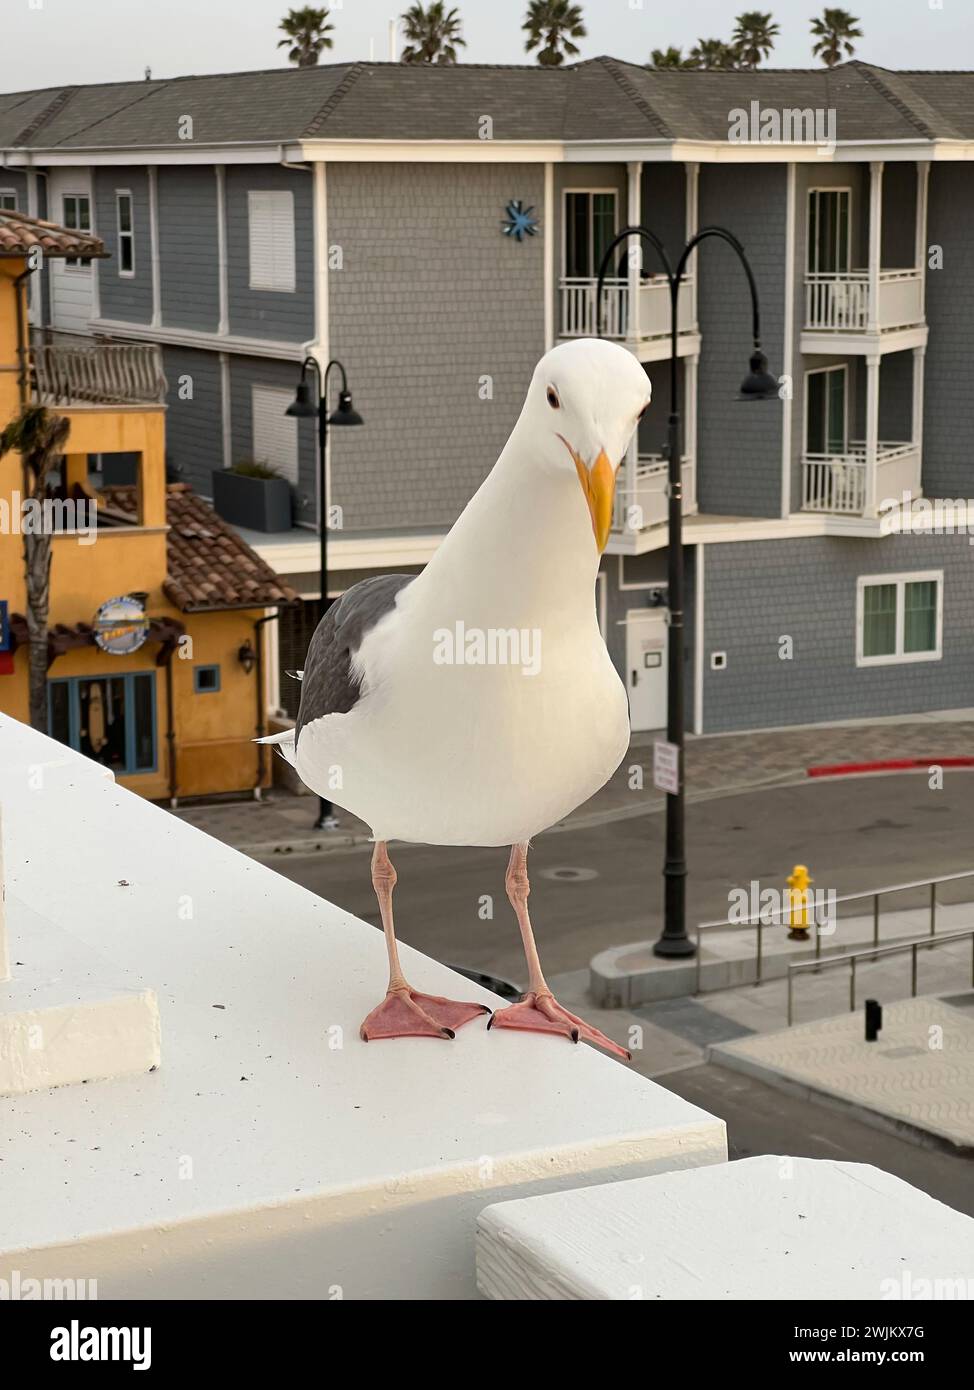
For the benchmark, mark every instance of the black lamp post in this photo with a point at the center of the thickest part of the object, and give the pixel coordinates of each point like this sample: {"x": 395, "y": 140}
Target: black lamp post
{"x": 758, "y": 385}
{"x": 306, "y": 406}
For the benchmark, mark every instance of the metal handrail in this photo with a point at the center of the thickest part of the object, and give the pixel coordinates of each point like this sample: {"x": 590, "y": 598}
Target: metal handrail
{"x": 898, "y": 948}
{"x": 769, "y": 917}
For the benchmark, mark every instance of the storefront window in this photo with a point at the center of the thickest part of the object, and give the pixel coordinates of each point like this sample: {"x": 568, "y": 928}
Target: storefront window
{"x": 108, "y": 718}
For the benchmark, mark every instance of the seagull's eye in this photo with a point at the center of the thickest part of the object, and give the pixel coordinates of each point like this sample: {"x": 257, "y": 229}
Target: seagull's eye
{"x": 553, "y": 400}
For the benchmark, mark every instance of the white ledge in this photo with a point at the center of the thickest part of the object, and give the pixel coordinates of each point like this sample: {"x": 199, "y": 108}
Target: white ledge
{"x": 273, "y": 1154}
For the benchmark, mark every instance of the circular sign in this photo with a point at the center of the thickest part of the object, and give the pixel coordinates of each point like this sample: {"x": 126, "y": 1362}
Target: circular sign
{"x": 121, "y": 625}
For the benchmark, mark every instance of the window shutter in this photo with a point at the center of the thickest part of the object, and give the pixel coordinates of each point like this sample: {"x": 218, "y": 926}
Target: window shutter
{"x": 271, "y": 229}
{"x": 275, "y": 434}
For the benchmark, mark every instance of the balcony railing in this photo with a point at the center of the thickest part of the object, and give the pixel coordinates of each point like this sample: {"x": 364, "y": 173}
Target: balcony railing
{"x": 642, "y": 500}
{"x": 839, "y": 302}
{"x": 652, "y": 318}
{"x": 90, "y": 373}
{"x": 838, "y": 483}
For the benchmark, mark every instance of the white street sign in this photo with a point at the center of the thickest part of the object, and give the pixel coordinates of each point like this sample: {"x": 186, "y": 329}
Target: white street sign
{"x": 666, "y": 767}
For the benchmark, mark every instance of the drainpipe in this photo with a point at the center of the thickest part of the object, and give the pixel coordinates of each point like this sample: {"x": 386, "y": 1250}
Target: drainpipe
{"x": 23, "y": 353}
{"x": 259, "y": 669}
{"x": 171, "y": 728}
{"x": 298, "y": 168}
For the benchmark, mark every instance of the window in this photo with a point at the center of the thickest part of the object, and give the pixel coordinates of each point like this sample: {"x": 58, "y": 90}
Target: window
{"x": 275, "y": 434}
{"x": 206, "y": 680}
{"x": 829, "y": 217}
{"x": 590, "y": 224}
{"x": 8, "y": 200}
{"x": 825, "y": 411}
{"x": 76, "y": 215}
{"x": 271, "y": 231}
{"x": 899, "y": 618}
{"x": 126, "y": 233}
{"x": 111, "y": 719}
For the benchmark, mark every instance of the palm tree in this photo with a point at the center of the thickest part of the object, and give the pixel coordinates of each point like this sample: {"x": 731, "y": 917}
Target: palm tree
{"x": 713, "y": 54}
{"x": 669, "y": 58}
{"x": 307, "y": 34}
{"x": 551, "y": 25}
{"x": 39, "y": 437}
{"x": 433, "y": 34}
{"x": 834, "y": 32}
{"x": 753, "y": 38}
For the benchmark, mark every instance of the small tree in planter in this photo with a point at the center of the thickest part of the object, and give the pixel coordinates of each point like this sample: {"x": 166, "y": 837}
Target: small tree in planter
{"x": 253, "y": 495}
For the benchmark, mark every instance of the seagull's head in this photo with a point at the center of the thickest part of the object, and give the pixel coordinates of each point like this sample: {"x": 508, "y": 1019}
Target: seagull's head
{"x": 585, "y": 400}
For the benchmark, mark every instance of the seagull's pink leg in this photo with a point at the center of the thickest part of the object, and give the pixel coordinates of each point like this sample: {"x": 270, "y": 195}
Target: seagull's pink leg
{"x": 539, "y": 1011}
{"x": 405, "y": 1013}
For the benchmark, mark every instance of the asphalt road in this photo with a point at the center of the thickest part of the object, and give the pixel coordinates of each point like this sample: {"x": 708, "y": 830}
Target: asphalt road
{"x": 762, "y": 1120}
{"x": 853, "y": 833}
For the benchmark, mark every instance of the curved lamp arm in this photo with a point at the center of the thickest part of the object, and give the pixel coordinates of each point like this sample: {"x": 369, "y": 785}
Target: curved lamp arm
{"x": 733, "y": 242}
{"x": 653, "y": 240}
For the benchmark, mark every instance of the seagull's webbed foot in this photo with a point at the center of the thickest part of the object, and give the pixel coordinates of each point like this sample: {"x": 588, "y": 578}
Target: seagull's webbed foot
{"x": 540, "y": 1012}
{"x": 406, "y": 1013}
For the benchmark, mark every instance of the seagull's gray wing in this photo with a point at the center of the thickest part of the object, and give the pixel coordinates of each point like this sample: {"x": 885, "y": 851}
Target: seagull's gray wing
{"x": 327, "y": 684}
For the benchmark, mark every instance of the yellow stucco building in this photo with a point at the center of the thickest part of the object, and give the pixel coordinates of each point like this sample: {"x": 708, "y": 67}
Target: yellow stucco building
{"x": 166, "y": 688}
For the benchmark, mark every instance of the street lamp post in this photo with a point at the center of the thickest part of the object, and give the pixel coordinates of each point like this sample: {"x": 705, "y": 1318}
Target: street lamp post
{"x": 305, "y": 406}
{"x": 757, "y": 385}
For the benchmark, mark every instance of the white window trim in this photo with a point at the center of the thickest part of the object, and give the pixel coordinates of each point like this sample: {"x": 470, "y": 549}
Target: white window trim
{"x": 78, "y": 267}
{"x": 11, "y": 193}
{"x": 564, "y": 222}
{"x": 817, "y": 371}
{"x": 281, "y": 286}
{"x": 119, "y": 194}
{"x": 827, "y": 188}
{"x": 899, "y": 657}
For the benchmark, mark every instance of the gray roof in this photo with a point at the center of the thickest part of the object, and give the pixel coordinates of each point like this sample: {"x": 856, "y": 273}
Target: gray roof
{"x": 600, "y": 99}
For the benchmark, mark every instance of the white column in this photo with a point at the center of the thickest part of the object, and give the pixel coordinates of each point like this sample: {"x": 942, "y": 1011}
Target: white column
{"x": 919, "y": 359}
{"x": 875, "y": 240}
{"x": 225, "y": 408}
{"x": 920, "y": 254}
{"x": 690, "y": 365}
{"x": 154, "y": 259}
{"x": 319, "y": 347}
{"x": 691, "y": 228}
{"x": 634, "y": 248}
{"x": 548, "y": 232}
{"x": 221, "y": 248}
{"x": 788, "y": 356}
{"x": 872, "y": 430}
{"x": 34, "y": 283}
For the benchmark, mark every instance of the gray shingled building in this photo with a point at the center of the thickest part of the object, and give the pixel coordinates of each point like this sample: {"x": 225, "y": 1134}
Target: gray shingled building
{"x": 357, "y": 211}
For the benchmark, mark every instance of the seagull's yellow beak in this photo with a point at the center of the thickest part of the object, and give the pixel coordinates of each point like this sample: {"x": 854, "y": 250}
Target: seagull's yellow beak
{"x": 599, "y": 485}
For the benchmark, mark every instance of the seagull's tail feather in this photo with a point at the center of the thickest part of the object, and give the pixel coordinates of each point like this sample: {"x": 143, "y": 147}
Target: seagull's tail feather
{"x": 295, "y": 675}
{"x": 284, "y": 742}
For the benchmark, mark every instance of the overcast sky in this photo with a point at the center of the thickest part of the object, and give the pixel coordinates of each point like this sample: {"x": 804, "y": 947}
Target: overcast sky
{"x": 52, "y": 42}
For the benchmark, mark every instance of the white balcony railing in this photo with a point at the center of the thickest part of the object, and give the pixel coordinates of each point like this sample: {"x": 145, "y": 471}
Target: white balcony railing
{"x": 838, "y": 483}
{"x": 652, "y": 319}
{"x": 641, "y": 500}
{"x": 840, "y": 303}
{"x": 93, "y": 373}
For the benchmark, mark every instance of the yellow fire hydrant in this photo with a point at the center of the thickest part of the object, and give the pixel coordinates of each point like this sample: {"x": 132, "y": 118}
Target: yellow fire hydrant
{"x": 797, "y": 916}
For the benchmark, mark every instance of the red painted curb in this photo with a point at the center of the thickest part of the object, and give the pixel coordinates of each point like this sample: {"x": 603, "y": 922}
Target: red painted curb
{"x": 886, "y": 765}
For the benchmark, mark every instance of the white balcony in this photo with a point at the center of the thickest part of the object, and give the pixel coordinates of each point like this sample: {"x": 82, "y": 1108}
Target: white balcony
{"x": 839, "y": 484}
{"x": 840, "y": 302}
{"x": 652, "y": 318}
{"x": 641, "y": 498}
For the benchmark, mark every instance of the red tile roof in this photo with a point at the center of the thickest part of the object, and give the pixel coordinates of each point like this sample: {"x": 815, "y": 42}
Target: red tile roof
{"x": 210, "y": 566}
{"x": 19, "y": 234}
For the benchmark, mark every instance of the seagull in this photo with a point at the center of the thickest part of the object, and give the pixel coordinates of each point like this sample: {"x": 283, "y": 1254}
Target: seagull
{"x": 475, "y": 703}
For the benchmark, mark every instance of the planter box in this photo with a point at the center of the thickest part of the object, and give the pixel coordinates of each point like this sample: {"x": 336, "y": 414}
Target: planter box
{"x": 258, "y": 504}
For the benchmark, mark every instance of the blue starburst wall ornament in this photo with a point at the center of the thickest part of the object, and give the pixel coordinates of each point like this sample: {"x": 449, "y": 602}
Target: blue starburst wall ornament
{"x": 519, "y": 223}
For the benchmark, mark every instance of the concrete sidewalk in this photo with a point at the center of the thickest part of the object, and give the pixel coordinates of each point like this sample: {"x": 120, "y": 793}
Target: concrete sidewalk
{"x": 717, "y": 765}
